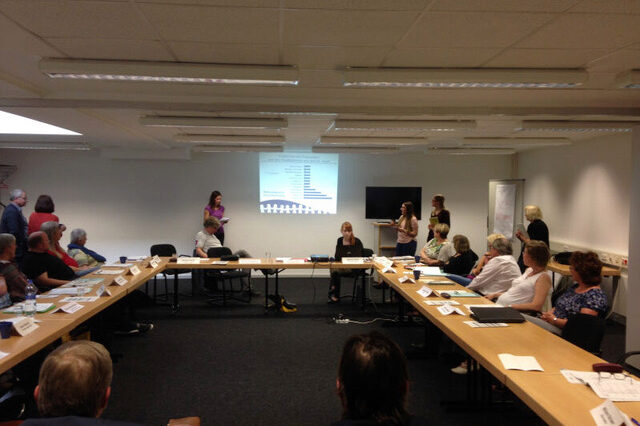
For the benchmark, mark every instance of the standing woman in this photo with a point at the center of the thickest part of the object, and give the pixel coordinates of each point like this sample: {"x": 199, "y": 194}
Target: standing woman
{"x": 43, "y": 213}
{"x": 438, "y": 212}
{"x": 407, "y": 231}
{"x": 537, "y": 230}
{"x": 216, "y": 209}
{"x": 347, "y": 246}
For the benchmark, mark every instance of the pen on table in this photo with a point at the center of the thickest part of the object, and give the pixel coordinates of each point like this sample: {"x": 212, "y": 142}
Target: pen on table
{"x": 635, "y": 421}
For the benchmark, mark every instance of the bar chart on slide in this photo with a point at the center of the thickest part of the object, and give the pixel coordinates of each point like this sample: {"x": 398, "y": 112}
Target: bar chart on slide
{"x": 298, "y": 183}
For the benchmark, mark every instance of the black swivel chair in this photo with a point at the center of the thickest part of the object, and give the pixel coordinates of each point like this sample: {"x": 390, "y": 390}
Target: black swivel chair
{"x": 165, "y": 250}
{"x": 630, "y": 368}
{"x": 361, "y": 275}
{"x": 585, "y": 331}
{"x": 222, "y": 276}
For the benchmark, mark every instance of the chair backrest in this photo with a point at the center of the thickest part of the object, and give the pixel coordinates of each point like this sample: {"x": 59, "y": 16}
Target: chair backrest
{"x": 607, "y": 286}
{"x": 585, "y": 331}
{"x": 219, "y": 251}
{"x": 630, "y": 367}
{"x": 163, "y": 250}
{"x": 366, "y": 252}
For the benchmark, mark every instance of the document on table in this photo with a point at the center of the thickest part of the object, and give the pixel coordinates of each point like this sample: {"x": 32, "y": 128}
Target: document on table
{"x": 353, "y": 260}
{"x": 110, "y": 271}
{"x": 40, "y": 308}
{"x": 135, "y": 258}
{"x": 476, "y": 324}
{"x": 248, "y": 261}
{"x": 439, "y": 282}
{"x": 384, "y": 262}
{"x": 118, "y": 265}
{"x": 616, "y": 387}
{"x": 188, "y": 260}
{"x": 524, "y": 363}
{"x": 219, "y": 262}
{"x": 3, "y": 354}
{"x": 459, "y": 293}
{"x": 430, "y": 270}
{"x": 79, "y": 299}
{"x": 85, "y": 282}
{"x": 441, "y": 302}
{"x": 72, "y": 291}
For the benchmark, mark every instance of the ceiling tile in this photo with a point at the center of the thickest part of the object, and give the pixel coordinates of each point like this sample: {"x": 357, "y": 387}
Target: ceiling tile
{"x": 225, "y": 53}
{"x": 608, "y": 6}
{"x": 621, "y": 60}
{"x": 214, "y": 24}
{"x": 78, "y": 19}
{"x": 436, "y": 57}
{"x": 587, "y": 31}
{"x": 234, "y": 3}
{"x": 345, "y": 28}
{"x": 332, "y": 57}
{"x": 503, "y": 5}
{"x": 357, "y": 4}
{"x": 141, "y": 50}
{"x": 465, "y": 29}
{"x": 545, "y": 58}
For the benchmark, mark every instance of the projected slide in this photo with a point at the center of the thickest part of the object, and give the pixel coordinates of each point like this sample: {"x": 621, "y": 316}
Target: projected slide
{"x": 298, "y": 183}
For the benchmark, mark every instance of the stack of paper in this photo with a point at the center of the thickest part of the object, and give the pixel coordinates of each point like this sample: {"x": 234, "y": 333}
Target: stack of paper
{"x": 525, "y": 363}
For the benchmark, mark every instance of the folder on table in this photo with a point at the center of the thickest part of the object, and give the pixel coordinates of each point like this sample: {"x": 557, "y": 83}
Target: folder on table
{"x": 493, "y": 314}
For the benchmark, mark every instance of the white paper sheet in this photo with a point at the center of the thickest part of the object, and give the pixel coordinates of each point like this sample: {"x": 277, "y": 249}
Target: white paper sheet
{"x": 524, "y": 363}
{"x": 504, "y": 212}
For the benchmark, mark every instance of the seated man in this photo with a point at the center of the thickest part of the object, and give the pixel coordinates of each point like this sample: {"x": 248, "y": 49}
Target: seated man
{"x": 373, "y": 383}
{"x": 16, "y": 281}
{"x": 206, "y": 240}
{"x": 499, "y": 272}
{"x": 74, "y": 385}
{"x": 45, "y": 270}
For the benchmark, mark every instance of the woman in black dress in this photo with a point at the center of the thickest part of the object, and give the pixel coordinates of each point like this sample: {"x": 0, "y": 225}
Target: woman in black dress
{"x": 346, "y": 246}
{"x": 537, "y": 230}
{"x": 438, "y": 212}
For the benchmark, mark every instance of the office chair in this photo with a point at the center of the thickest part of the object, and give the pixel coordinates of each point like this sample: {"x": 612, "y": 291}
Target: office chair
{"x": 585, "y": 331}
{"x": 628, "y": 367}
{"x": 164, "y": 250}
{"x": 358, "y": 275}
{"x": 223, "y": 276}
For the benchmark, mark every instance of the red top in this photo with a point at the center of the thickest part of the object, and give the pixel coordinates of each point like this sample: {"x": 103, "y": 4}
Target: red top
{"x": 37, "y": 219}
{"x": 68, "y": 260}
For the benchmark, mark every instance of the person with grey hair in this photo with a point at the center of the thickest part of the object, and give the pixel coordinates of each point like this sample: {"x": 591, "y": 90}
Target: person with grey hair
{"x": 54, "y": 232}
{"x": 81, "y": 254}
{"x": 499, "y": 272}
{"x": 13, "y": 221}
{"x": 15, "y": 280}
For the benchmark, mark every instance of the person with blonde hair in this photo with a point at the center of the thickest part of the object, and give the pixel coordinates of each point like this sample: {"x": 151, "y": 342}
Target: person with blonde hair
{"x": 485, "y": 258}
{"x": 438, "y": 250}
{"x": 536, "y": 230}
{"x": 346, "y": 246}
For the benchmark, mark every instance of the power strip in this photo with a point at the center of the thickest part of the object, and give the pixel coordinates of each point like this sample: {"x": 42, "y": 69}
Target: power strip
{"x": 342, "y": 321}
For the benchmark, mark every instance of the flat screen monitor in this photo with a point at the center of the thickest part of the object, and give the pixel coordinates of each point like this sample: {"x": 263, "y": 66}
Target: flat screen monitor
{"x": 383, "y": 202}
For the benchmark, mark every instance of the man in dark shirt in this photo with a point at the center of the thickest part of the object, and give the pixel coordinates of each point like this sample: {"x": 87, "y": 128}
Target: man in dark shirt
{"x": 16, "y": 280}
{"x": 13, "y": 221}
{"x": 45, "y": 270}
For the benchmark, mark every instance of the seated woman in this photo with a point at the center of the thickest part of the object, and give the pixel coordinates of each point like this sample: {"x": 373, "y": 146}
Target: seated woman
{"x": 347, "y": 246}
{"x": 585, "y": 297}
{"x": 464, "y": 259}
{"x": 438, "y": 250}
{"x": 373, "y": 383}
{"x": 54, "y": 232}
{"x": 44, "y": 209}
{"x": 530, "y": 291}
{"x": 80, "y": 253}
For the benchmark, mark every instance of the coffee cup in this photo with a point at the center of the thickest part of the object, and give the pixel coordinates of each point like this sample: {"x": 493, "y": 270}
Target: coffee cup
{"x": 5, "y": 329}
{"x": 123, "y": 259}
{"x": 416, "y": 274}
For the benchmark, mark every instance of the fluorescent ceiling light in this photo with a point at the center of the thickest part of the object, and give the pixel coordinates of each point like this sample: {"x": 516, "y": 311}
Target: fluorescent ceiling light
{"x": 579, "y": 126}
{"x": 628, "y": 80}
{"x": 18, "y": 125}
{"x": 227, "y": 139}
{"x": 239, "y": 148}
{"x": 430, "y": 125}
{"x": 471, "y": 151}
{"x": 170, "y": 72}
{"x": 354, "y": 149}
{"x": 504, "y": 78}
{"x": 338, "y": 140}
{"x": 45, "y": 145}
{"x": 509, "y": 142}
{"x": 217, "y": 122}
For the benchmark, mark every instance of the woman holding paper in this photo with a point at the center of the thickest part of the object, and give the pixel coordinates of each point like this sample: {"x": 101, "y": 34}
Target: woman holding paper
{"x": 536, "y": 230}
{"x": 215, "y": 209}
{"x": 407, "y": 230}
{"x": 438, "y": 215}
{"x": 347, "y": 246}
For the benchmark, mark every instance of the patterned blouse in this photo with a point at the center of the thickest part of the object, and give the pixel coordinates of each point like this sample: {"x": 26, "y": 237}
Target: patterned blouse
{"x": 570, "y": 303}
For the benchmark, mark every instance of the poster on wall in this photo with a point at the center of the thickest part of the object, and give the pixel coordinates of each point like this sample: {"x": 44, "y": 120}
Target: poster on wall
{"x": 504, "y": 212}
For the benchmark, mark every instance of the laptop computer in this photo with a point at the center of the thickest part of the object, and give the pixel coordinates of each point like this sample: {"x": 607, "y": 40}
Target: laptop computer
{"x": 494, "y": 314}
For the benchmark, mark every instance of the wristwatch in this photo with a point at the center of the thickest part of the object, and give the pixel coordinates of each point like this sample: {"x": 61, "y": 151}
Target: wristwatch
{"x": 554, "y": 319}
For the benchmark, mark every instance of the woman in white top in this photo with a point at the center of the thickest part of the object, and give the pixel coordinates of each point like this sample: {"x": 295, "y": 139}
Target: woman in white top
{"x": 529, "y": 292}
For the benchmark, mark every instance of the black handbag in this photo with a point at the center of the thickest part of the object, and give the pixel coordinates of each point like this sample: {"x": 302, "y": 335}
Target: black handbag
{"x": 562, "y": 257}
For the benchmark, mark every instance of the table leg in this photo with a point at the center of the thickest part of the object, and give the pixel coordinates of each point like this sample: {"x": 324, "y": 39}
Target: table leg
{"x": 266, "y": 292}
{"x": 176, "y": 305}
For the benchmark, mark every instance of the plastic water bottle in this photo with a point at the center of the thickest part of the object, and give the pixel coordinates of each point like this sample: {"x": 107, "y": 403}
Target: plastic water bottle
{"x": 30, "y": 291}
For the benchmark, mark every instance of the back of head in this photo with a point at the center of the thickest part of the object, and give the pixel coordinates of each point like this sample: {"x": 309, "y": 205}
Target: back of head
{"x": 44, "y": 204}
{"x": 35, "y": 239}
{"x": 532, "y": 213}
{"x": 211, "y": 222}
{"x": 461, "y": 243}
{"x": 502, "y": 246}
{"x": 6, "y": 240}
{"x": 50, "y": 228}
{"x": 588, "y": 266}
{"x": 373, "y": 379}
{"x": 538, "y": 252}
{"x": 442, "y": 229}
{"x": 492, "y": 237}
{"x": 77, "y": 234}
{"x": 74, "y": 380}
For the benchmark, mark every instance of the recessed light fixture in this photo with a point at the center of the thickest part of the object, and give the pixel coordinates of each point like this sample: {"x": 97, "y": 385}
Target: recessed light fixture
{"x": 471, "y": 151}
{"x": 628, "y": 80}
{"x": 170, "y": 72}
{"x": 338, "y": 140}
{"x": 408, "y": 125}
{"x": 238, "y": 148}
{"x": 355, "y": 149}
{"x": 214, "y": 122}
{"x": 18, "y": 125}
{"x": 45, "y": 146}
{"x": 579, "y": 126}
{"x": 451, "y": 78}
{"x": 228, "y": 139}
{"x": 510, "y": 142}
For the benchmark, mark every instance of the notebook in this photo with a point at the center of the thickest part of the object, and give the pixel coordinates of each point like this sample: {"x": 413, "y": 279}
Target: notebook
{"x": 494, "y": 314}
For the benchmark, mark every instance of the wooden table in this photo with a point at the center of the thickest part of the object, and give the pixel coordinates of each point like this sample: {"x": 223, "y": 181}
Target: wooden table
{"x": 547, "y": 393}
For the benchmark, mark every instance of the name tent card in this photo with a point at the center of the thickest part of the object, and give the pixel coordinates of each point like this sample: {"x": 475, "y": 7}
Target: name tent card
{"x": 119, "y": 281}
{"x": 69, "y": 308}
{"x": 154, "y": 263}
{"x": 425, "y": 291}
{"x": 25, "y": 326}
{"x": 103, "y": 292}
{"x": 134, "y": 270}
{"x": 447, "y": 309}
{"x": 406, "y": 279}
{"x": 156, "y": 258}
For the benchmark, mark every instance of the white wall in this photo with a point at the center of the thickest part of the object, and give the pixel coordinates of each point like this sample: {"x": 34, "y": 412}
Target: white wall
{"x": 584, "y": 193}
{"x": 126, "y": 206}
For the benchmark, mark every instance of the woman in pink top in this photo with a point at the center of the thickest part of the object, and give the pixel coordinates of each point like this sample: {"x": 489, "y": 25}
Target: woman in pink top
{"x": 216, "y": 209}
{"x": 407, "y": 231}
{"x": 43, "y": 213}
